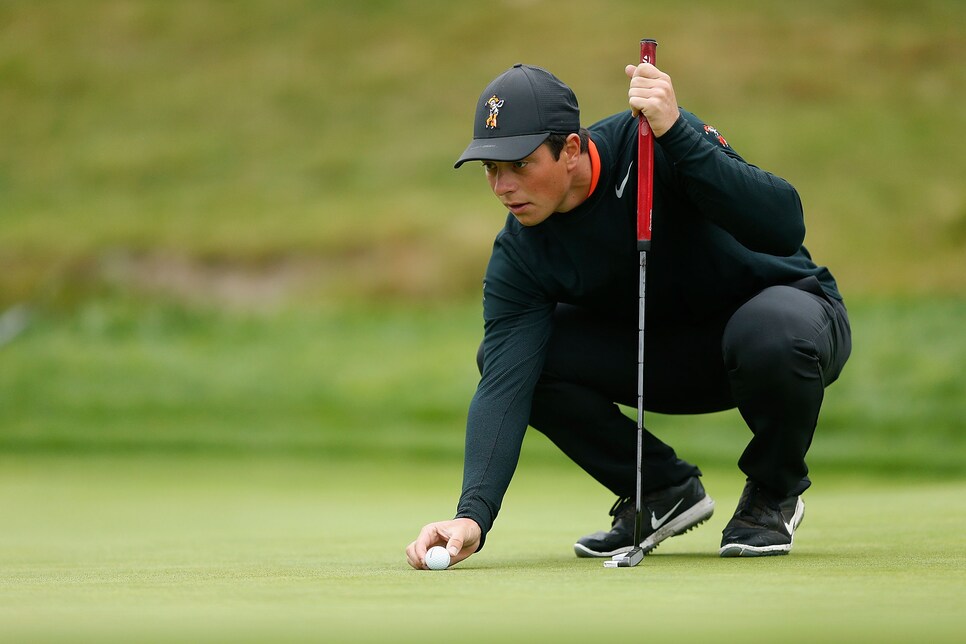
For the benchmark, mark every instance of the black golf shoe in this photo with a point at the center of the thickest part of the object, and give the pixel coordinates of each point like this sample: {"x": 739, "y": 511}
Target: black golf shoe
{"x": 762, "y": 525}
{"x": 665, "y": 513}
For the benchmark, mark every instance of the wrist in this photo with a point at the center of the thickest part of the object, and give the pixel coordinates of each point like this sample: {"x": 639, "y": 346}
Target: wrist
{"x": 659, "y": 132}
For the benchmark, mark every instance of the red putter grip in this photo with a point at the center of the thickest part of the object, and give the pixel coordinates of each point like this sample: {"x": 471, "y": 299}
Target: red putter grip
{"x": 645, "y": 163}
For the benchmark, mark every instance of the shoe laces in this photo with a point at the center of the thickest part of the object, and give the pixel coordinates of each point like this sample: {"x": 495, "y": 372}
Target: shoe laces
{"x": 756, "y": 502}
{"x": 623, "y": 505}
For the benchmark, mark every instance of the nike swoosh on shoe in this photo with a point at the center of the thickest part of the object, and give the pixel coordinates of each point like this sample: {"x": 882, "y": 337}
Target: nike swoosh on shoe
{"x": 657, "y": 523}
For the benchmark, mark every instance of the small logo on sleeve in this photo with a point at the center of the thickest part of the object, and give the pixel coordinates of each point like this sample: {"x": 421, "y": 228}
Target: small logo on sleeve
{"x": 713, "y": 132}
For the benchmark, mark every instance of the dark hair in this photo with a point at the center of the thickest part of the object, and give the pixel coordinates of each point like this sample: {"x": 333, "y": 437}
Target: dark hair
{"x": 556, "y": 142}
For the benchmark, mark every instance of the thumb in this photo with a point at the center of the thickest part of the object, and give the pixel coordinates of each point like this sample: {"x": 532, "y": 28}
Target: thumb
{"x": 629, "y": 70}
{"x": 454, "y": 545}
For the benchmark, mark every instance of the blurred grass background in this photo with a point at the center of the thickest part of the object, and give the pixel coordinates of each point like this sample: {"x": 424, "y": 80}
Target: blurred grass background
{"x": 235, "y": 227}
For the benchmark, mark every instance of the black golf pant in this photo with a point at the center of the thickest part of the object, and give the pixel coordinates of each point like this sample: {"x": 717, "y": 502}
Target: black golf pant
{"x": 771, "y": 358}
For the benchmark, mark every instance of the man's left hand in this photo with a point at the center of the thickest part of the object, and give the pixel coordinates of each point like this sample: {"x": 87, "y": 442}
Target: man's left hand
{"x": 652, "y": 94}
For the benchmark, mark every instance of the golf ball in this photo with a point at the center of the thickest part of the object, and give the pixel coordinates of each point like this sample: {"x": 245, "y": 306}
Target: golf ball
{"x": 437, "y": 558}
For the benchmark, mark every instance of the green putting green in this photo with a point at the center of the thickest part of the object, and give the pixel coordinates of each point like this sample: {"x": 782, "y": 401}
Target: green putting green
{"x": 140, "y": 548}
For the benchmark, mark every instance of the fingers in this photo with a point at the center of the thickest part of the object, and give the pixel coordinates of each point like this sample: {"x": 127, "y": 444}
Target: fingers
{"x": 644, "y": 86}
{"x": 428, "y": 537}
{"x": 652, "y": 94}
{"x": 414, "y": 557}
{"x": 460, "y": 537}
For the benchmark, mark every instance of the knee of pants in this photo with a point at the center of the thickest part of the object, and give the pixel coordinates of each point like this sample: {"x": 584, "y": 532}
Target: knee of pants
{"x": 767, "y": 344}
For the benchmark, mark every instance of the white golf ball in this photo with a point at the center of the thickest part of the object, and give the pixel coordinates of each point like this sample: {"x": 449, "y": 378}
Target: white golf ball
{"x": 437, "y": 558}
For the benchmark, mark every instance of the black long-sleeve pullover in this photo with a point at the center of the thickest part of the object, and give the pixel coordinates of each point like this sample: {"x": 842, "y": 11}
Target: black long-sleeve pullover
{"x": 722, "y": 230}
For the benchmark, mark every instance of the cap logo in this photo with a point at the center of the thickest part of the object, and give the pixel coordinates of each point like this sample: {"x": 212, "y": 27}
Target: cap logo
{"x": 494, "y": 103}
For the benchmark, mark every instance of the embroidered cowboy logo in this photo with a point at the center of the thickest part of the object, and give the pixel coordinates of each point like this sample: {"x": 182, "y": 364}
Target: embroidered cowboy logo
{"x": 494, "y": 103}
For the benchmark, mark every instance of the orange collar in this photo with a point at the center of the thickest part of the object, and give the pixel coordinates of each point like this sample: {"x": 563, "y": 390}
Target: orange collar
{"x": 594, "y": 166}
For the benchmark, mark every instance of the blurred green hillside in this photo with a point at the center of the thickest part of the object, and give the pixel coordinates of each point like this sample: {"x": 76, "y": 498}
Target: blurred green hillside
{"x": 254, "y": 152}
{"x": 163, "y": 164}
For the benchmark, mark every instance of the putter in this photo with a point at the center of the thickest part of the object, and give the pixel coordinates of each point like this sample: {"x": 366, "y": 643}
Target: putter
{"x": 645, "y": 199}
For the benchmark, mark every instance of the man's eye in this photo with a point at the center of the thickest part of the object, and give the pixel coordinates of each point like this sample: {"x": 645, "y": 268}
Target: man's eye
{"x": 519, "y": 164}
{"x": 488, "y": 166}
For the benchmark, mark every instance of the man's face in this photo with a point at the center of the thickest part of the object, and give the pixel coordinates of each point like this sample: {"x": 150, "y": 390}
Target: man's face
{"x": 532, "y": 188}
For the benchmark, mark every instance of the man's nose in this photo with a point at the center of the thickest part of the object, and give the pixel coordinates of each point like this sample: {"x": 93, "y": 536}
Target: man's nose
{"x": 502, "y": 183}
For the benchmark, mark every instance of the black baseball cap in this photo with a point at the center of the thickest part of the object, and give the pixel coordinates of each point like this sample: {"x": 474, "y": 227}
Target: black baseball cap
{"x": 517, "y": 112}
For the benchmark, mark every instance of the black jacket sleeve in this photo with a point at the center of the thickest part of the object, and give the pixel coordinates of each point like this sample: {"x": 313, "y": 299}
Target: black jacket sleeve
{"x": 517, "y": 324}
{"x": 761, "y": 211}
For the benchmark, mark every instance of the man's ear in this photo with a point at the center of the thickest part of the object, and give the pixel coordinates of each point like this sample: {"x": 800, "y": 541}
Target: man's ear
{"x": 572, "y": 148}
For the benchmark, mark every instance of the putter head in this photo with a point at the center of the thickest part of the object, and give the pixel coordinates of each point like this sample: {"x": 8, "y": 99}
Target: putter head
{"x": 628, "y": 559}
